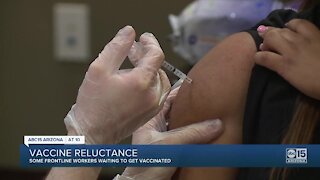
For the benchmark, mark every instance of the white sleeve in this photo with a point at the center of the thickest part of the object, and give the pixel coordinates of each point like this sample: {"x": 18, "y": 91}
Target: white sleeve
{"x": 121, "y": 177}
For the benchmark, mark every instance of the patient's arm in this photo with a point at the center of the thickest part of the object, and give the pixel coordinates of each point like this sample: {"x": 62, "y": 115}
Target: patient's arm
{"x": 218, "y": 90}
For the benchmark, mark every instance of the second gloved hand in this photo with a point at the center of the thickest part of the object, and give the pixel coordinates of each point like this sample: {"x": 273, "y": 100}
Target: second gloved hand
{"x": 155, "y": 132}
{"x": 112, "y": 103}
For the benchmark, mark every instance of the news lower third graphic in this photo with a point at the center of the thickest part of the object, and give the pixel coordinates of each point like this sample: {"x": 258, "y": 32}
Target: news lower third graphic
{"x": 71, "y": 151}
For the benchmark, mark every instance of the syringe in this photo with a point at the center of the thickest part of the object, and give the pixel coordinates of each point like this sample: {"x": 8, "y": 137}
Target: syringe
{"x": 176, "y": 71}
{"x": 138, "y": 49}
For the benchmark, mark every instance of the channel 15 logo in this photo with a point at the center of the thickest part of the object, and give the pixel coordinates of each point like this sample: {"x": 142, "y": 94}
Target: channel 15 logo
{"x": 297, "y": 156}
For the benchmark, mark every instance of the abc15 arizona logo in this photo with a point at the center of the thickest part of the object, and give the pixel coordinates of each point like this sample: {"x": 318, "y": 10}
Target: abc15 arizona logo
{"x": 296, "y": 155}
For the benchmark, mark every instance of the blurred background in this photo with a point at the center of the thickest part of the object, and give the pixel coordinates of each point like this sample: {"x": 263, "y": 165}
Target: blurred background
{"x": 46, "y": 47}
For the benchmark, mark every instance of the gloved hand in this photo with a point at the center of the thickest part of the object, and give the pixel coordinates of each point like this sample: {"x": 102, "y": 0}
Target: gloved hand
{"x": 112, "y": 103}
{"x": 155, "y": 132}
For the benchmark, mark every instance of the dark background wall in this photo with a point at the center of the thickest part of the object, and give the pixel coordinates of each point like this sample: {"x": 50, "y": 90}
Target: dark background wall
{"x": 36, "y": 90}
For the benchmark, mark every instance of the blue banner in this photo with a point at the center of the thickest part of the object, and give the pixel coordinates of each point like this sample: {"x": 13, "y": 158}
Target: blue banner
{"x": 170, "y": 155}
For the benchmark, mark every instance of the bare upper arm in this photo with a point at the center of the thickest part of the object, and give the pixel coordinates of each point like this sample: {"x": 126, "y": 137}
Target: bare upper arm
{"x": 218, "y": 90}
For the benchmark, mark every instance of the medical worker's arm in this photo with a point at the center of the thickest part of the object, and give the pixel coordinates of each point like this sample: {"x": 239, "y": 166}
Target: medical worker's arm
{"x": 74, "y": 173}
{"x": 218, "y": 90}
{"x": 113, "y": 103}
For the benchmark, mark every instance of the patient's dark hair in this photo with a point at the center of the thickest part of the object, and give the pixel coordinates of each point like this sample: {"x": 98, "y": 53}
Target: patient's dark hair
{"x": 300, "y": 131}
{"x": 305, "y": 119}
{"x": 306, "y": 4}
